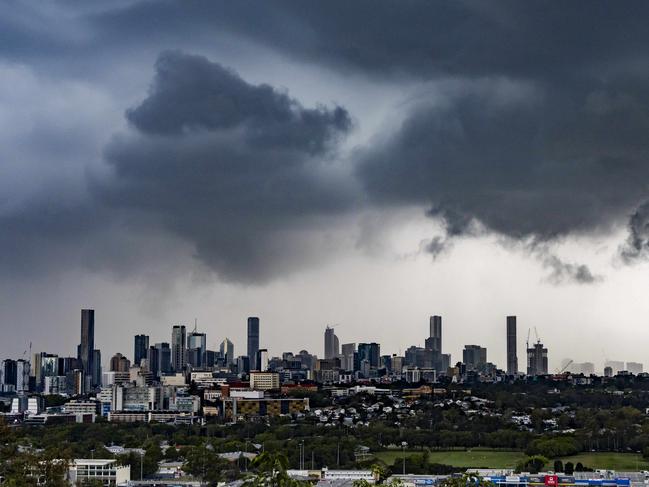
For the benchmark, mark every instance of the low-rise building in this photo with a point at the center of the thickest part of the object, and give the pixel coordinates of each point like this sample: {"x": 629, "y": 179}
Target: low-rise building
{"x": 264, "y": 381}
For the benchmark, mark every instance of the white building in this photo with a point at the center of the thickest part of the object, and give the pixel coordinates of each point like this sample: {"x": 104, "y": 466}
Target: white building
{"x": 264, "y": 381}
{"x": 107, "y": 471}
{"x": 348, "y": 475}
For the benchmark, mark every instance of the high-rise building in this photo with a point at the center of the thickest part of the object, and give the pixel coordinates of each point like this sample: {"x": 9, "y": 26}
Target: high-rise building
{"x": 22, "y": 376}
{"x": 35, "y": 368}
{"x": 96, "y": 368}
{"x": 435, "y": 334}
{"x": 512, "y": 357}
{"x": 9, "y": 375}
{"x": 370, "y": 352}
{"x": 474, "y": 357}
{"x": 178, "y": 348}
{"x": 141, "y": 346}
{"x": 164, "y": 358}
{"x": 227, "y": 351}
{"x": 347, "y": 356}
{"x": 243, "y": 364}
{"x": 331, "y": 344}
{"x": 153, "y": 361}
{"x": 537, "y": 359}
{"x": 119, "y": 363}
{"x": 253, "y": 342}
{"x": 197, "y": 346}
{"x": 262, "y": 359}
{"x": 87, "y": 345}
{"x": 49, "y": 366}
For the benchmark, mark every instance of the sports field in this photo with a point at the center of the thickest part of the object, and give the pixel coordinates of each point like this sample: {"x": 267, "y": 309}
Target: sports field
{"x": 508, "y": 459}
{"x": 461, "y": 458}
{"x": 610, "y": 461}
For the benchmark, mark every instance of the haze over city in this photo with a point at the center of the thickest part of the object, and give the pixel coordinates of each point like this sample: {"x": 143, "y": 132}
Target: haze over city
{"x": 168, "y": 162}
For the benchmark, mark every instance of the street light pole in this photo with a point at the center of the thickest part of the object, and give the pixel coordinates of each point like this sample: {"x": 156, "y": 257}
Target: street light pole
{"x": 403, "y": 454}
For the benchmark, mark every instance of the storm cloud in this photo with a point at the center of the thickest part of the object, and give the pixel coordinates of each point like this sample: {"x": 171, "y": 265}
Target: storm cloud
{"x": 242, "y": 172}
{"x": 529, "y": 121}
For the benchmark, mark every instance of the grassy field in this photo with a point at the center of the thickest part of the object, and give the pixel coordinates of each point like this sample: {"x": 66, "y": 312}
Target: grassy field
{"x": 610, "y": 461}
{"x": 507, "y": 459}
{"x": 458, "y": 458}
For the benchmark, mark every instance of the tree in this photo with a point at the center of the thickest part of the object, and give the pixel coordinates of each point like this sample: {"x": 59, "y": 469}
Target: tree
{"x": 569, "y": 468}
{"x": 558, "y": 466}
{"x": 204, "y": 463}
{"x": 468, "y": 479}
{"x": 271, "y": 472}
{"x": 532, "y": 464}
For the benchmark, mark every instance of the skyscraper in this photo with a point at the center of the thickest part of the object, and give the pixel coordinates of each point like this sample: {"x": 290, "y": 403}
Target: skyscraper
{"x": 370, "y": 352}
{"x": 178, "y": 348}
{"x": 435, "y": 342}
{"x": 164, "y": 358}
{"x": 96, "y": 368}
{"x": 512, "y": 358}
{"x": 262, "y": 359}
{"x": 331, "y": 344}
{"x": 253, "y": 342}
{"x": 474, "y": 357}
{"x": 537, "y": 359}
{"x": 119, "y": 363}
{"x": 347, "y": 356}
{"x": 22, "y": 376}
{"x": 87, "y": 345}
{"x": 140, "y": 349}
{"x": 227, "y": 351}
{"x": 197, "y": 346}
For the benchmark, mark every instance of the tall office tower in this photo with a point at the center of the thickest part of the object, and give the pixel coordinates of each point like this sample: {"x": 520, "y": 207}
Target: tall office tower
{"x": 164, "y": 358}
{"x": 197, "y": 344}
{"x": 22, "y": 376}
{"x": 227, "y": 351}
{"x": 49, "y": 365}
{"x": 243, "y": 364}
{"x": 253, "y": 342}
{"x": 119, "y": 363}
{"x": 435, "y": 342}
{"x": 96, "y": 368}
{"x": 68, "y": 364}
{"x": 512, "y": 357}
{"x": 87, "y": 345}
{"x": 153, "y": 359}
{"x": 537, "y": 359}
{"x": 474, "y": 357}
{"x": 141, "y": 346}
{"x": 9, "y": 375}
{"x": 370, "y": 352}
{"x": 331, "y": 344}
{"x": 178, "y": 348}
{"x": 347, "y": 356}
{"x": 36, "y": 368}
{"x": 262, "y": 359}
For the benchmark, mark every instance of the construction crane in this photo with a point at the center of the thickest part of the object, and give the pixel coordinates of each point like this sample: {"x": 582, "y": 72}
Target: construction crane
{"x": 565, "y": 367}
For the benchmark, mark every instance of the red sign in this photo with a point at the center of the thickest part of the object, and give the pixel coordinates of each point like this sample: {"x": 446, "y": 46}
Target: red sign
{"x": 551, "y": 480}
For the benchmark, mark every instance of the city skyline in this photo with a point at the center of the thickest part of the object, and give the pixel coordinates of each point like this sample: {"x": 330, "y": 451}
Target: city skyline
{"x": 181, "y": 345}
{"x": 467, "y": 160}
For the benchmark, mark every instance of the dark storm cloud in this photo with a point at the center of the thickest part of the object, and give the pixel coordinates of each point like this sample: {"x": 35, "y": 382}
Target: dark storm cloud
{"x": 530, "y": 120}
{"x": 243, "y": 172}
{"x": 522, "y": 160}
{"x": 637, "y": 244}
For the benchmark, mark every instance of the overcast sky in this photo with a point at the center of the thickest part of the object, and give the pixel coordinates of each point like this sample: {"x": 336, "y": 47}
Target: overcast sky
{"x": 365, "y": 164}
